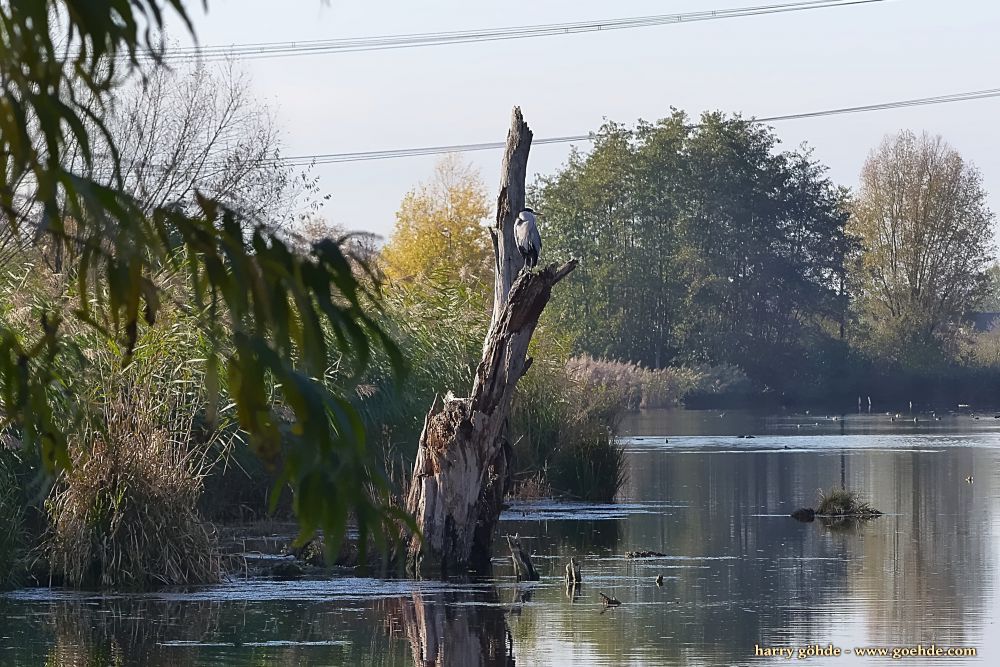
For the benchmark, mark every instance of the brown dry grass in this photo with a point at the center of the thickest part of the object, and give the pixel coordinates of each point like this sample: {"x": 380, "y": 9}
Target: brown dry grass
{"x": 655, "y": 388}
{"x": 124, "y": 516}
{"x": 534, "y": 486}
{"x": 839, "y": 502}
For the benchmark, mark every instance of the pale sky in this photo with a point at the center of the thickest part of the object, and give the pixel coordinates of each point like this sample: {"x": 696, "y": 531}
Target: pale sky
{"x": 457, "y": 94}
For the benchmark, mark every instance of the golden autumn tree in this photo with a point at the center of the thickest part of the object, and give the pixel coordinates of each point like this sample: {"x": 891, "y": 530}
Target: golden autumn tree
{"x": 922, "y": 218}
{"x": 439, "y": 227}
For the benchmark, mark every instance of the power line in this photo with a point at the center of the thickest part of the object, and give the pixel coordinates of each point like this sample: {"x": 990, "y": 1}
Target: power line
{"x": 384, "y": 42}
{"x": 361, "y": 156}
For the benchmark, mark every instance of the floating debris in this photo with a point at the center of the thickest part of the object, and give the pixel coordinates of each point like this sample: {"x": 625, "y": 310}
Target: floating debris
{"x": 804, "y": 514}
{"x": 610, "y": 601}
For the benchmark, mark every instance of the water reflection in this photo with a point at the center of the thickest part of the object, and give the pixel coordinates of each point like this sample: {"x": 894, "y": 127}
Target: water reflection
{"x": 453, "y": 629}
{"x": 737, "y": 570}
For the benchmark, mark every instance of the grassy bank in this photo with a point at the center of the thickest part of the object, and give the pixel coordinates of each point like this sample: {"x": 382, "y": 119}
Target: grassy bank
{"x": 564, "y": 430}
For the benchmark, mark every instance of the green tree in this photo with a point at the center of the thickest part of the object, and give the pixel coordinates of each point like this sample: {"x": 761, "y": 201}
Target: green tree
{"x": 699, "y": 243}
{"x": 922, "y": 218}
{"x": 763, "y": 243}
{"x": 277, "y": 318}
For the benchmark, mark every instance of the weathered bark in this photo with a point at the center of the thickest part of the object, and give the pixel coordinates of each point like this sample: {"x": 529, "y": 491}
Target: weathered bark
{"x": 461, "y": 473}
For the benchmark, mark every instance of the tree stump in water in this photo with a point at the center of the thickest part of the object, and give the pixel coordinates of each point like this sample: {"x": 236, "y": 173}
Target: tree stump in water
{"x": 523, "y": 569}
{"x": 573, "y": 573}
{"x": 461, "y": 472}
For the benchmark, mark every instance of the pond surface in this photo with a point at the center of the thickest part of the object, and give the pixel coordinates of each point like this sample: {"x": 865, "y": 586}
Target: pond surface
{"x": 738, "y": 572}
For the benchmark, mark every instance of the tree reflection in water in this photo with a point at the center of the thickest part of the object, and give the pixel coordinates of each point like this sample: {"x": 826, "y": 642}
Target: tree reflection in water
{"x": 452, "y": 629}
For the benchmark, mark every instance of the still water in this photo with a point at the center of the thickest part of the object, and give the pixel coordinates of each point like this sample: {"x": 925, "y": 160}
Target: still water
{"x": 738, "y": 572}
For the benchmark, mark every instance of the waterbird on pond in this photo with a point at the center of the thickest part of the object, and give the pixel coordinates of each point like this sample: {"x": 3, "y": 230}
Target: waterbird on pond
{"x": 969, "y": 479}
{"x": 529, "y": 242}
{"x": 609, "y": 601}
{"x": 659, "y": 580}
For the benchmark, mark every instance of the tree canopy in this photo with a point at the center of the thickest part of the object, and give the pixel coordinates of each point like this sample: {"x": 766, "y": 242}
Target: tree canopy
{"x": 700, "y": 242}
{"x": 922, "y": 218}
{"x": 439, "y": 227}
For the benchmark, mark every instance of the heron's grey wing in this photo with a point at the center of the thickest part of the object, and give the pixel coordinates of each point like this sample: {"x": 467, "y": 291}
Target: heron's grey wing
{"x": 520, "y": 235}
{"x": 535, "y": 239}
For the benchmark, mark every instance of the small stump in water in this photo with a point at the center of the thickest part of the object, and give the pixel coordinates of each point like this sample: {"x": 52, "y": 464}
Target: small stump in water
{"x": 573, "y": 574}
{"x": 523, "y": 568}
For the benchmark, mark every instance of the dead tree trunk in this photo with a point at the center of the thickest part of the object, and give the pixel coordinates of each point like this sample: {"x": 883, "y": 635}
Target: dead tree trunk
{"x": 462, "y": 468}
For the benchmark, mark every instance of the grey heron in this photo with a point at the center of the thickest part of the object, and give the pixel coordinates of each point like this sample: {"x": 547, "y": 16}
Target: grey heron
{"x": 529, "y": 243}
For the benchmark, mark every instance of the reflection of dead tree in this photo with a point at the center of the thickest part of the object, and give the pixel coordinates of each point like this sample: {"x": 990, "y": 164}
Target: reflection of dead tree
{"x": 442, "y": 634}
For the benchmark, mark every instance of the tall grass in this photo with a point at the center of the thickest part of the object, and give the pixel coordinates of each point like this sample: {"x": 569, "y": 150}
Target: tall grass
{"x": 11, "y": 517}
{"x": 657, "y": 388}
{"x": 439, "y": 325}
{"x": 125, "y": 514}
{"x": 564, "y": 429}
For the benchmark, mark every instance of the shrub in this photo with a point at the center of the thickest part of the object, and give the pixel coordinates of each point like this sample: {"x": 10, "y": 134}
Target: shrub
{"x": 124, "y": 514}
{"x": 840, "y": 502}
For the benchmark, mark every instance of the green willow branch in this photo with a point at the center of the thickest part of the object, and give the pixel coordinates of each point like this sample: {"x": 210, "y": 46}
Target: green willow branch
{"x": 275, "y": 317}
